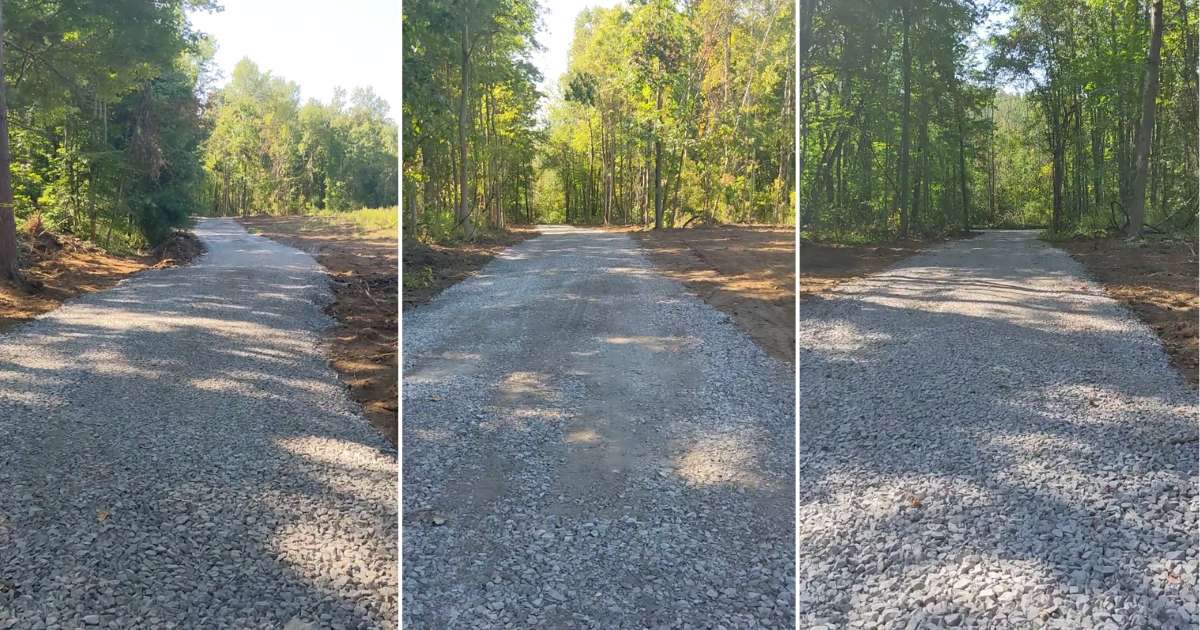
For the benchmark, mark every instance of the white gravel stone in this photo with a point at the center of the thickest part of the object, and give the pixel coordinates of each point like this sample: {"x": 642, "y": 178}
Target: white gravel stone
{"x": 988, "y": 404}
{"x": 544, "y": 399}
{"x": 177, "y": 449}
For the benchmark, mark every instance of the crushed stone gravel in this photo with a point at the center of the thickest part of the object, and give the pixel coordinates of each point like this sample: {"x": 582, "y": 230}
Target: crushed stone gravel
{"x": 587, "y": 445}
{"x": 988, "y": 440}
{"x": 177, "y": 453}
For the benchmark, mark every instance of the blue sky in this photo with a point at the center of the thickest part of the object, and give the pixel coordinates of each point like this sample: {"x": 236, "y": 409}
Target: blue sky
{"x": 317, "y": 44}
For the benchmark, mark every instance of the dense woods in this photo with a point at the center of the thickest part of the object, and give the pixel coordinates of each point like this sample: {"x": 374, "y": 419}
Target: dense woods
{"x": 116, "y": 132}
{"x": 103, "y": 127}
{"x": 926, "y": 117}
{"x": 469, "y": 104}
{"x": 268, "y": 153}
{"x": 669, "y": 112}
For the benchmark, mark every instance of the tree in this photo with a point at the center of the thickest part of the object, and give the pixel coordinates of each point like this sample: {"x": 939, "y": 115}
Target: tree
{"x": 903, "y": 129}
{"x": 469, "y": 109}
{"x": 268, "y": 153}
{"x": 1145, "y": 130}
{"x": 8, "y": 225}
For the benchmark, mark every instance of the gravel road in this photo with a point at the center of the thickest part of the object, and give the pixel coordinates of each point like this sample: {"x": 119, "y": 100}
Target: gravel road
{"x": 988, "y": 440}
{"x": 176, "y": 453}
{"x": 587, "y": 445}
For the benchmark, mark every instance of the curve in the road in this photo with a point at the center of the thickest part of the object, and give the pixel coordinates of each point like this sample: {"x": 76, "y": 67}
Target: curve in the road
{"x": 176, "y": 450}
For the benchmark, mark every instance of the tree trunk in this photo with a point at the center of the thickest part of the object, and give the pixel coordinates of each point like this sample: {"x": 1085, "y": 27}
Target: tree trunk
{"x": 905, "y": 130}
{"x": 920, "y": 196}
{"x": 462, "y": 213}
{"x": 1145, "y": 131}
{"x": 658, "y": 151}
{"x": 1057, "y": 164}
{"x": 8, "y": 220}
{"x": 962, "y": 173}
{"x": 992, "y": 163}
{"x": 1098, "y": 159}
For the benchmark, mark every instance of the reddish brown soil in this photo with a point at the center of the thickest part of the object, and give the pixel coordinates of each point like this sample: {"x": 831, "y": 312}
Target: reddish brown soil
{"x": 430, "y": 269}
{"x": 363, "y": 345}
{"x": 64, "y": 267}
{"x": 1157, "y": 280}
{"x": 746, "y": 272}
{"x": 825, "y": 265}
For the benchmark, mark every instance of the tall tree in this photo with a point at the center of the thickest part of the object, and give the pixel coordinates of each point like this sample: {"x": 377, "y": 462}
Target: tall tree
{"x": 1145, "y": 130}
{"x": 8, "y": 225}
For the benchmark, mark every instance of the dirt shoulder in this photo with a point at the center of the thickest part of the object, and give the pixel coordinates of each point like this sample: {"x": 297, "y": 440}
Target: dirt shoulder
{"x": 823, "y": 266}
{"x": 363, "y": 345}
{"x": 430, "y": 269}
{"x": 1157, "y": 280}
{"x": 65, "y": 267}
{"x": 746, "y": 272}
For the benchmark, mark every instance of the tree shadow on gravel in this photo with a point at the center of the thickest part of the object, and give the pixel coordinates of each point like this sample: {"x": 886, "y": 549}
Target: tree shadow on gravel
{"x": 177, "y": 450}
{"x": 546, "y": 406}
{"x": 936, "y": 424}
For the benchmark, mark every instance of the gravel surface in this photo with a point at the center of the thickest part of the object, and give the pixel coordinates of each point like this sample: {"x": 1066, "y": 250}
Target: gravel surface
{"x": 988, "y": 440}
{"x": 587, "y": 445}
{"x": 176, "y": 453}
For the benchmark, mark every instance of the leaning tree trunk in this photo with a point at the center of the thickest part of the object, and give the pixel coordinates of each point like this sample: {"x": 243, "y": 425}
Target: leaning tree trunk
{"x": 1145, "y": 131}
{"x": 8, "y": 221}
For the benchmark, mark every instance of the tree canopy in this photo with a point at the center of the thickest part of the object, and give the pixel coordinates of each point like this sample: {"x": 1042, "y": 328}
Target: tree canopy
{"x": 668, "y": 112}
{"x": 117, "y": 135}
{"x": 267, "y": 152}
{"x": 929, "y": 116}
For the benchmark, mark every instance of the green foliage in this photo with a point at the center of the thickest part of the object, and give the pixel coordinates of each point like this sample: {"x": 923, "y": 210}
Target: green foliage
{"x": 710, "y": 83}
{"x": 723, "y": 70}
{"x": 490, "y": 119}
{"x": 267, "y": 153}
{"x": 420, "y": 279}
{"x": 1031, "y": 127}
{"x": 102, "y": 111}
{"x": 114, "y": 139}
{"x": 367, "y": 219}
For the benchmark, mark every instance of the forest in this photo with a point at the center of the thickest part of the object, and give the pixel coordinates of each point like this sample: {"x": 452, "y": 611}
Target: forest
{"x": 116, "y": 132}
{"x": 669, "y": 113}
{"x": 929, "y": 117}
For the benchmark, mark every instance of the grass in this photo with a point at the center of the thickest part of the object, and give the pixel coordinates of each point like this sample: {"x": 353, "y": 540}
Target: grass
{"x": 367, "y": 219}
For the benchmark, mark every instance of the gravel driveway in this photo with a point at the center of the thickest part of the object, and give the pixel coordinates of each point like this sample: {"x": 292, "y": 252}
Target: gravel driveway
{"x": 176, "y": 453}
{"x": 587, "y": 445}
{"x": 988, "y": 440}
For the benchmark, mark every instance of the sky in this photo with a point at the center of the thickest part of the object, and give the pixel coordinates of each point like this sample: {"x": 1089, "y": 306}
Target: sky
{"x": 557, "y": 31}
{"x": 317, "y": 44}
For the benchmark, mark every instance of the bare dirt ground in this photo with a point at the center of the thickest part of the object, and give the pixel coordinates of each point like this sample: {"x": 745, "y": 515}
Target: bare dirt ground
{"x": 362, "y": 346}
{"x": 826, "y": 265}
{"x": 430, "y": 269}
{"x": 65, "y": 267}
{"x": 746, "y": 272}
{"x": 1155, "y": 279}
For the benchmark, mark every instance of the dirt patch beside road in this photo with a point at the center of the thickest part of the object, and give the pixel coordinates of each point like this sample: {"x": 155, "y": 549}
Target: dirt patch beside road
{"x": 823, "y": 266}
{"x": 430, "y": 268}
{"x": 1155, "y": 279}
{"x": 65, "y": 267}
{"x": 362, "y": 346}
{"x": 746, "y": 272}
